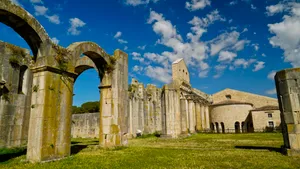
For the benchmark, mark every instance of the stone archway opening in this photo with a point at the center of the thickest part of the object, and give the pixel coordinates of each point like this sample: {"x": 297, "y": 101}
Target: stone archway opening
{"x": 212, "y": 127}
{"x": 223, "y": 127}
{"x": 217, "y": 127}
{"x": 237, "y": 127}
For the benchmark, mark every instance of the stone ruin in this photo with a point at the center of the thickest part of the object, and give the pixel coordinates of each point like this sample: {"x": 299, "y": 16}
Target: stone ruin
{"x": 175, "y": 110}
{"x": 42, "y": 86}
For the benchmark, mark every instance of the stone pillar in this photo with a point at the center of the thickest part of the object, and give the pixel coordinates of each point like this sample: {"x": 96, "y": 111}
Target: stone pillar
{"x": 113, "y": 107}
{"x": 288, "y": 93}
{"x": 198, "y": 117}
{"x": 202, "y": 113}
{"x": 207, "y": 119}
{"x": 191, "y": 116}
{"x": 130, "y": 118}
{"x": 49, "y": 135}
{"x": 184, "y": 127}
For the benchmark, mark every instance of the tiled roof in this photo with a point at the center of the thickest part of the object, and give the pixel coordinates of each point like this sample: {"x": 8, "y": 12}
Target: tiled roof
{"x": 269, "y": 107}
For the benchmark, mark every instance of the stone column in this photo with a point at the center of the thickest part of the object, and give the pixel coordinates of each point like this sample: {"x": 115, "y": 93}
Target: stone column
{"x": 198, "y": 117}
{"x": 49, "y": 136}
{"x": 288, "y": 93}
{"x": 130, "y": 117}
{"x": 207, "y": 119}
{"x": 183, "y": 116}
{"x": 202, "y": 113}
{"x": 191, "y": 116}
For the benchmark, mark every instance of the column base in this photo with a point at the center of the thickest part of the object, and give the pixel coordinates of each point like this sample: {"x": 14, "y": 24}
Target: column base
{"x": 291, "y": 152}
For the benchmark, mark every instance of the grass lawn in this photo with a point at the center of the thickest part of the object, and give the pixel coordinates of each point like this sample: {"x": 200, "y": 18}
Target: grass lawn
{"x": 259, "y": 150}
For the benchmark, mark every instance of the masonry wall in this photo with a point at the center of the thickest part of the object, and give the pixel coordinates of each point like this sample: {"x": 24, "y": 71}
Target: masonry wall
{"x": 85, "y": 125}
{"x": 15, "y": 95}
{"x": 229, "y": 114}
{"x": 256, "y": 100}
{"x": 261, "y": 119}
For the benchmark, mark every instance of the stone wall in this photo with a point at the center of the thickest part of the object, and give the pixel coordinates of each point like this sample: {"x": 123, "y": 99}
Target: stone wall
{"x": 256, "y": 100}
{"x": 15, "y": 95}
{"x": 85, "y": 125}
{"x": 261, "y": 119}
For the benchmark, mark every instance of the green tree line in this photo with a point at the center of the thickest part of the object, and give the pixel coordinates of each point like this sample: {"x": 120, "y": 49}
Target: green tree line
{"x": 87, "y": 107}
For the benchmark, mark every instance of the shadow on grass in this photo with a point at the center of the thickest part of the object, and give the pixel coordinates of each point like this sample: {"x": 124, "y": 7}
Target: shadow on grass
{"x": 12, "y": 154}
{"x": 274, "y": 149}
{"x": 77, "y": 148}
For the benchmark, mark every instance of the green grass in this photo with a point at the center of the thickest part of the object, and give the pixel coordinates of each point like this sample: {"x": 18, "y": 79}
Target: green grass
{"x": 259, "y": 150}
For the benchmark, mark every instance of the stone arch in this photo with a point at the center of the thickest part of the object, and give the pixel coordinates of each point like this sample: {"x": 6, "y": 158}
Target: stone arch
{"x": 212, "y": 127}
{"x": 84, "y": 64}
{"x": 217, "y": 127}
{"x": 223, "y": 127}
{"x": 24, "y": 24}
{"x": 92, "y": 51}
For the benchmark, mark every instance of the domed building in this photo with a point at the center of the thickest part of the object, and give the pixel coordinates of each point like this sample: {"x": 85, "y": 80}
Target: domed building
{"x": 235, "y": 111}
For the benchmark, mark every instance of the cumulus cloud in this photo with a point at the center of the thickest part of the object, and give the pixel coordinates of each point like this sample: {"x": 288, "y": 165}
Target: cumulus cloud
{"x": 219, "y": 70}
{"x": 253, "y": 7}
{"x": 203, "y": 74}
{"x": 255, "y": 46}
{"x": 225, "y": 41}
{"x": 137, "y": 68}
{"x": 258, "y": 66}
{"x": 75, "y": 24}
{"x": 139, "y": 2}
{"x": 53, "y": 19}
{"x": 271, "y": 92}
{"x": 287, "y": 35}
{"x": 271, "y": 75}
{"x": 243, "y": 63}
{"x": 55, "y": 40}
{"x": 158, "y": 73}
{"x": 40, "y": 10}
{"x": 137, "y": 56}
{"x": 274, "y": 9}
{"x": 226, "y": 56}
{"x": 194, "y": 5}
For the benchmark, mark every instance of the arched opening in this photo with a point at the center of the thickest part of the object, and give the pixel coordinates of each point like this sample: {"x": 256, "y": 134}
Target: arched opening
{"x": 223, "y": 127}
{"x": 212, "y": 127}
{"x": 217, "y": 127}
{"x": 244, "y": 127}
{"x": 237, "y": 127}
{"x": 85, "y": 109}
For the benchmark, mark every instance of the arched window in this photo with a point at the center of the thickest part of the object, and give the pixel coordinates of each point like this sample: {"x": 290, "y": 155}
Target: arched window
{"x": 217, "y": 127}
{"x": 223, "y": 127}
{"x": 237, "y": 127}
{"x": 212, "y": 127}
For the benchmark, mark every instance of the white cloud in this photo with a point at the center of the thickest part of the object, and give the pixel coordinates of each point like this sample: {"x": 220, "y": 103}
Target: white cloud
{"x": 226, "y": 56}
{"x": 208, "y": 20}
{"x": 253, "y": 7}
{"x": 122, "y": 41}
{"x": 224, "y": 41}
{"x": 263, "y": 55}
{"x": 139, "y": 2}
{"x": 55, "y": 40}
{"x": 36, "y": 1}
{"x": 40, "y": 10}
{"x": 271, "y": 75}
{"x": 274, "y": 9}
{"x": 118, "y": 34}
{"x": 155, "y": 57}
{"x": 271, "y": 92}
{"x": 53, "y": 19}
{"x": 203, "y": 74}
{"x": 125, "y": 47}
{"x": 142, "y": 47}
{"x": 233, "y": 3}
{"x": 255, "y": 46}
{"x": 220, "y": 70}
{"x": 159, "y": 74}
{"x": 197, "y": 4}
{"x": 287, "y": 35}
{"x": 137, "y": 68}
{"x": 259, "y": 65}
{"x": 242, "y": 62}
{"x": 240, "y": 45}
{"x": 75, "y": 24}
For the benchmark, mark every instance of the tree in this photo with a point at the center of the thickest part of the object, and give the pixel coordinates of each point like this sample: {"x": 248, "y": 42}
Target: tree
{"x": 87, "y": 107}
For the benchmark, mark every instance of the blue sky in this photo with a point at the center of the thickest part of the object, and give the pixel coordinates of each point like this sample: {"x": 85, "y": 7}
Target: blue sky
{"x": 236, "y": 44}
